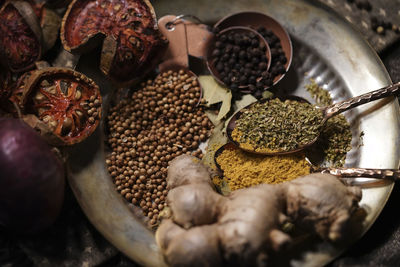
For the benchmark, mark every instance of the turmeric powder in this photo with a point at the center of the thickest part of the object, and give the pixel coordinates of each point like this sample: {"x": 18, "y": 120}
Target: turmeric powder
{"x": 242, "y": 169}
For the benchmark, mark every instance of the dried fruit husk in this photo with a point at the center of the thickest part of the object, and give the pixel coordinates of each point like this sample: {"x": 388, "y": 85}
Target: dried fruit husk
{"x": 66, "y": 101}
{"x": 42, "y": 128}
{"x": 20, "y": 36}
{"x": 132, "y": 43}
{"x": 50, "y": 22}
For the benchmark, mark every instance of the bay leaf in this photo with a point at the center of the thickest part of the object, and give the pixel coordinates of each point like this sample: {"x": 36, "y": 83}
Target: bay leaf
{"x": 215, "y": 93}
{"x": 244, "y": 101}
{"x": 217, "y": 139}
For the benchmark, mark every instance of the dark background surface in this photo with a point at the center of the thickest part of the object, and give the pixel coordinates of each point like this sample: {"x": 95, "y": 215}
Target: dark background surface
{"x": 73, "y": 241}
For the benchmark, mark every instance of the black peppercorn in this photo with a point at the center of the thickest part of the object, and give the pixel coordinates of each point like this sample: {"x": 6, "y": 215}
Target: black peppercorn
{"x": 262, "y": 65}
{"x": 234, "y": 87}
{"x": 252, "y": 79}
{"x": 219, "y": 66}
{"x": 216, "y": 52}
{"x": 242, "y": 59}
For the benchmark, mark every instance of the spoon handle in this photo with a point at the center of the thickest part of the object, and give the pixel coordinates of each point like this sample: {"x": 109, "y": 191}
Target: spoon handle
{"x": 390, "y": 174}
{"x": 342, "y": 106}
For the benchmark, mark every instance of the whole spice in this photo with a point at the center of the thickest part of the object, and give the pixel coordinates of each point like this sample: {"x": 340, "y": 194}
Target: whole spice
{"x": 20, "y": 36}
{"x": 277, "y": 126}
{"x": 131, "y": 41}
{"x": 242, "y": 169}
{"x": 68, "y": 102}
{"x": 335, "y": 139}
{"x": 160, "y": 122}
{"x": 278, "y": 57}
{"x": 241, "y": 61}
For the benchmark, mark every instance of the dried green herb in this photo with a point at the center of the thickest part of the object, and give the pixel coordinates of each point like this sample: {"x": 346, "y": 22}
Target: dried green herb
{"x": 321, "y": 96}
{"x": 278, "y": 125}
{"x": 336, "y": 136}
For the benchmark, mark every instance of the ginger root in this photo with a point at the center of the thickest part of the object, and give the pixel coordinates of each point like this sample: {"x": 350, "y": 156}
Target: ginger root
{"x": 207, "y": 229}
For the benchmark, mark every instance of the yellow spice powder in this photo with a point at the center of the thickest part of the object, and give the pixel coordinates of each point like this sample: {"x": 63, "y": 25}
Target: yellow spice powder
{"x": 243, "y": 169}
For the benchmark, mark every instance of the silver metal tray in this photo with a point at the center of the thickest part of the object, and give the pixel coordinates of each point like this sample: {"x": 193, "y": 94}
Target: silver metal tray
{"x": 325, "y": 48}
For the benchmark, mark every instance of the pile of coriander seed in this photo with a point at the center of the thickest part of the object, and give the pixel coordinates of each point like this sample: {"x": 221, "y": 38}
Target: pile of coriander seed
{"x": 161, "y": 121}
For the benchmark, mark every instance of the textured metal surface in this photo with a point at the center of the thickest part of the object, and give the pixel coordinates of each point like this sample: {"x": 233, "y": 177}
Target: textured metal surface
{"x": 392, "y": 174}
{"x": 325, "y": 48}
{"x": 356, "y": 101}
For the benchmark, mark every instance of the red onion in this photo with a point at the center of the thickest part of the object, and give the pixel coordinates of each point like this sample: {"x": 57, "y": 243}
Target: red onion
{"x": 32, "y": 179}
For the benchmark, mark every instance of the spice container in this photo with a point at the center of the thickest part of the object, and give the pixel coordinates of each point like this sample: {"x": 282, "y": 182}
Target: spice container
{"x": 274, "y": 126}
{"x": 239, "y": 58}
{"x": 276, "y": 36}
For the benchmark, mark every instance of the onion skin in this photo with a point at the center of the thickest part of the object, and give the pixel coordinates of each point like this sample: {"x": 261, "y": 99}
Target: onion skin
{"x": 32, "y": 180}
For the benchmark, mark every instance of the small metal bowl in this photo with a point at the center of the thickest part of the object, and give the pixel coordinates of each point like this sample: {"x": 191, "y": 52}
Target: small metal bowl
{"x": 237, "y": 29}
{"x": 254, "y": 20}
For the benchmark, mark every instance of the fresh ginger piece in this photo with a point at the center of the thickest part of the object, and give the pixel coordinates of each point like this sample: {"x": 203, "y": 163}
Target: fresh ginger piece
{"x": 322, "y": 203}
{"x": 197, "y": 246}
{"x": 187, "y": 169}
{"x": 206, "y": 201}
{"x": 244, "y": 227}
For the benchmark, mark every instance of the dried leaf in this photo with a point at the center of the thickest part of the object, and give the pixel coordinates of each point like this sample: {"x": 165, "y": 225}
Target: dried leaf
{"x": 225, "y": 108}
{"x": 244, "y": 101}
{"x": 214, "y": 93}
{"x": 216, "y": 140}
{"x": 212, "y": 116}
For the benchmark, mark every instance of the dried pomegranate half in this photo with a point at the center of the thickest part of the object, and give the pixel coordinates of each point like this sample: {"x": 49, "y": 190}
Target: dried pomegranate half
{"x": 132, "y": 43}
{"x": 20, "y": 36}
{"x": 66, "y": 100}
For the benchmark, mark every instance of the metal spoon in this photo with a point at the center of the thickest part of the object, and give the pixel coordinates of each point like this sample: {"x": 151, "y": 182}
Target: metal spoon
{"x": 328, "y": 112}
{"x": 347, "y": 174}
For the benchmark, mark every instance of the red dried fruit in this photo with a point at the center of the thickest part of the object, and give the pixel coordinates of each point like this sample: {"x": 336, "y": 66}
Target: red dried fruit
{"x": 20, "y": 36}
{"x": 132, "y": 43}
{"x": 66, "y": 100}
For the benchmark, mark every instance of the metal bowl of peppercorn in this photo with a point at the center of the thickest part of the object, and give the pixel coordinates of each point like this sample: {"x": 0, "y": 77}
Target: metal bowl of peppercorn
{"x": 239, "y": 58}
{"x": 272, "y": 31}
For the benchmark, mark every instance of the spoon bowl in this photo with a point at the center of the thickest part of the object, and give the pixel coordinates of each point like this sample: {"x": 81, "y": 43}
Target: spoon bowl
{"x": 232, "y": 125}
{"x": 327, "y": 112}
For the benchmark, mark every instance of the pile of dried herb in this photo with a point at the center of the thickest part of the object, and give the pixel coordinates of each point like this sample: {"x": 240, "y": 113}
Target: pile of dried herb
{"x": 335, "y": 138}
{"x": 277, "y": 126}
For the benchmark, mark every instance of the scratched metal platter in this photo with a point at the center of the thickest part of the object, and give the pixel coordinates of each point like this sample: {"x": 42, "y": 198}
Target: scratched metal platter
{"x": 327, "y": 49}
